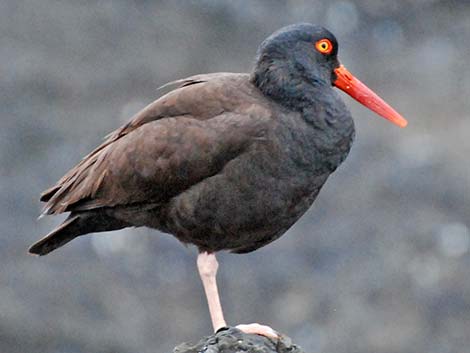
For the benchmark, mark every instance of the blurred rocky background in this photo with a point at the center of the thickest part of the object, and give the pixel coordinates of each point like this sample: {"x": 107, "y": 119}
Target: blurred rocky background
{"x": 379, "y": 264}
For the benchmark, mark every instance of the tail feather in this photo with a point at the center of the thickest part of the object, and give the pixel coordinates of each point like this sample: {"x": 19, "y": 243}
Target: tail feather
{"x": 75, "y": 225}
{"x": 66, "y": 232}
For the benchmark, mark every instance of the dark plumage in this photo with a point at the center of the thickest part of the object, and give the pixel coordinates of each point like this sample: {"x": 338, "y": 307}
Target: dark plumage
{"x": 224, "y": 161}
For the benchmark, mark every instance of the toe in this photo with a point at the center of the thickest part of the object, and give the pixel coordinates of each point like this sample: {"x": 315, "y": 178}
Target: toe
{"x": 258, "y": 329}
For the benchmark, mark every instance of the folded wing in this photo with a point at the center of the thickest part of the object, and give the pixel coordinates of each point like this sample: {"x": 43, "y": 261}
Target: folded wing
{"x": 177, "y": 141}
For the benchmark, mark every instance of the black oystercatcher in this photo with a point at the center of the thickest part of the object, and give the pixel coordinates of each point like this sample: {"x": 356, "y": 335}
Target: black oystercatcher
{"x": 225, "y": 161}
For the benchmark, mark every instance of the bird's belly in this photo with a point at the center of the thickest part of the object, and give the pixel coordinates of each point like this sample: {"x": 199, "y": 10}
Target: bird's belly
{"x": 239, "y": 212}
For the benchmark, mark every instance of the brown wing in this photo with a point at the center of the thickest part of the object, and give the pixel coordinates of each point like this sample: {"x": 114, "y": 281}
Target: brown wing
{"x": 175, "y": 142}
{"x": 197, "y": 101}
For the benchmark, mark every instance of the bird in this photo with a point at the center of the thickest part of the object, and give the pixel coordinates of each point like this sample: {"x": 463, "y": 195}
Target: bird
{"x": 223, "y": 161}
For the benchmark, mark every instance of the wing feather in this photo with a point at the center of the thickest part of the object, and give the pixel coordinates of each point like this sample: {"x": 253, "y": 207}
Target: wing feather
{"x": 172, "y": 144}
{"x": 193, "y": 96}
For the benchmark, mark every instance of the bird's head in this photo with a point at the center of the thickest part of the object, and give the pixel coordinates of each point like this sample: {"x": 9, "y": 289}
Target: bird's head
{"x": 306, "y": 55}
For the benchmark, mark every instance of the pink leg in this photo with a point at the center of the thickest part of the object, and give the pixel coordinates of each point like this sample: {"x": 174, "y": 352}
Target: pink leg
{"x": 207, "y": 265}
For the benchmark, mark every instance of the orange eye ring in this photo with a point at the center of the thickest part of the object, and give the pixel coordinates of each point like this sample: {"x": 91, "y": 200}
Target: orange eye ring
{"x": 324, "y": 46}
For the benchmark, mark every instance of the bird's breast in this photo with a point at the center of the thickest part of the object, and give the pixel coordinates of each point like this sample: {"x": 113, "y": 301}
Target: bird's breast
{"x": 254, "y": 199}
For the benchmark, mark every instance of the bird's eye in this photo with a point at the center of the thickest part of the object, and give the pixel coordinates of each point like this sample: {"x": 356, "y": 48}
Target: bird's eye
{"x": 324, "y": 46}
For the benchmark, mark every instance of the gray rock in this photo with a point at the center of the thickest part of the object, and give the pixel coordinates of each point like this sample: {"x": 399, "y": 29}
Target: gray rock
{"x": 232, "y": 340}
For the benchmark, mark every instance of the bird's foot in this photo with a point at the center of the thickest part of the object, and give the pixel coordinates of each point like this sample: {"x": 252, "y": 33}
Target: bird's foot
{"x": 258, "y": 329}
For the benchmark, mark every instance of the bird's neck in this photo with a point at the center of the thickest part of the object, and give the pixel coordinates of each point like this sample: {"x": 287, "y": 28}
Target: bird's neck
{"x": 293, "y": 89}
{"x": 304, "y": 92}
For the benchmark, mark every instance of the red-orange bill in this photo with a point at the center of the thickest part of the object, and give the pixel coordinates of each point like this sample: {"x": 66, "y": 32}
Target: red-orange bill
{"x": 364, "y": 95}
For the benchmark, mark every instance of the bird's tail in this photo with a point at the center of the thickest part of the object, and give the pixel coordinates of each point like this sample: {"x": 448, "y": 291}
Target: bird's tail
{"x": 58, "y": 237}
{"x": 75, "y": 225}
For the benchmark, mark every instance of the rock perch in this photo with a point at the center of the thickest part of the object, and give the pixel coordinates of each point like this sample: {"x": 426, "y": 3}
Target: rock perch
{"x": 232, "y": 340}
